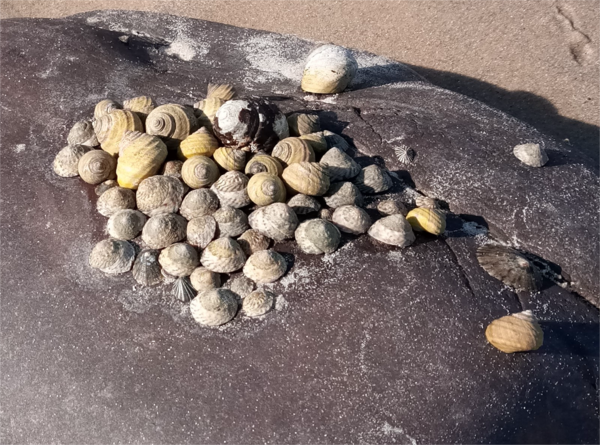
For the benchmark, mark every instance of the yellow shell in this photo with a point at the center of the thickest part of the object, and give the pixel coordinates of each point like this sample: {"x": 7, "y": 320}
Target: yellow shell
{"x": 206, "y": 110}
{"x": 264, "y": 164}
{"x": 172, "y": 122}
{"x": 199, "y": 171}
{"x": 201, "y": 142}
{"x": 96, "y": 166}
{"x": 141, "y": 105}
{"x": 111, "y": 127}
{"x": 515, "y": 333}
{"x": 427, "y": 220}
{"x": 230, "y": 158}
{"x": 104, "y": 107}
{"x": 328, "y": 70}
{"x": 317, "y": 142}
{"x": 302, "y": 123}
{"x": 222, "y": 91}
{"x": 265, "y": 189}
{"x": 141, "y": 155}
{"x": 308, "y": 178}
{"x": 292, "y": 150}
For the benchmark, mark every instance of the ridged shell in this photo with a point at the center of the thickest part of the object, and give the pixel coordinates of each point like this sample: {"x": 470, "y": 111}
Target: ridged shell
{"x": 427, "y": 220}
{"x": 179, "y": 259}
{"x": 389, "y": 207}
{"x": 97, "y": 166}
{"x": 125, "y": 224}
{"x": 201, "y": 142}
{"x": 426, "y": 202}
{"x": 317, "y": 236}
{"x": 258, "y": 303}
{"x": 206, "y": 110}
{"x": 531, "y": 154}
{"x": 241, "y": 286}
{"x": 199, "y": 171}
{"x": 83, "y": 133}
{"x": 173, "y": 168}
{"x": 263, "y": 164}
{"x": 223, "y": 255}
{"x": 230, "y": 158}
{"x": 141, "y": 105}
{"x": 518, "y": 332}
{"x": 329, "y": 69}
{"x": 111, "y": 127}
{"x": 265, "y": 188}
{"x": 510, "y": 266}
{"x": 203, "y": 279}
{"x": 112, "y": 256}
{"x": 66, "y": 162}
{"x": 231, "y": 189}
{"x": 214, "y": 307}
{"x": 231, "y": 222}
{"x": 222, "y": 91}
{"x": 163, "y": 230}
{"x": 201, "y": 231}
{"x": 172, "y": 123}
{"x": 183, "y": 290}
{"x": 308, "y": 178}
{"x": 265, "y": 266}
{"x": 159, "y": 194}
{"x": 304, "y": 204}
{"x": 394, "y": 230}
{"x": 339, "y": 165}
{"x": 252, "y": 241}
{"x": 276, "y": 221}
{"x": 104, "y": 186}
{"x": 373, "y": 179}
{"x": 343, "y": 194}
{"x": 326, "y": 214}
{"x": 335, "y": 140}
{"x": 302, "y": 123}
{"x": 317, "y": 142}
{"x": 199, "y": 202}
{"x": 291, "y": 150}
{"x": 351, "y": 219}
{"x": 104, "y": 107}
{"x": 146, "y": 269}
{"x": 115, "y": 199}
{"x": 140, "y": 157}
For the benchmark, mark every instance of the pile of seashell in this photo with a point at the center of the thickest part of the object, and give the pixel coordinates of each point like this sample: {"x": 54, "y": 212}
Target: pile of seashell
{"x": 206, "y": 190}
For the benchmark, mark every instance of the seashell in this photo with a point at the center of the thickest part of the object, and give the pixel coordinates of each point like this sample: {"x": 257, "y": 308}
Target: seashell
{"x": 203, "y": 279}
{"x": 308, "y": 178}
{"x": 106, "y": 185}
{"x": 317, "y": 142}
{"x": 405, "y": 155}
{"x": 263, "y": 164}
{"x": 303, "y": 204}
{"x": 140, "y": 156}
{"x": 343, "y": 194}
{"x": 223, "y": 255}
{"x": 146, "y": 269}
{"x": 317, "y": 236}
{"x": 112, "y": 256}
{"x": 241, "y": 286}
{"x": 231, "y": 189}
{"x": 199, "y": 202}
{"x": 172, "y": 168}
{"x": 183, "y": 290}
{"x": 201, "y": 231}
{"x": 265, "y": 188}
{"x": 302, "y": 123}
{"x": 111, "y": 127}
{"x": 292, "y": 150}
{"x": 510, "y": 266}
{"x": 230, "y": 158}
{"x": 179, "y": 259}
{"x": 115, "y": 199}
{"x": 167, "y": 277}
{"x": 222, "y": 91}
{"x": 199, "y": 171}
{"x": 394, "y": 230}
{"x": 105, "y": 107}
{"x": 389, "y": 207}
{"x": 265, "y": 266}
{"x": 253, "y": 241}
{"x": 214, "y": 307}
{"x": 531, "y": 154}
{"x": 201, "y": 142}
{"x": 141, "y": 105}
{"x": 172, "y": 123}
{"x": 83, "y": 133}
{"x": 326, "y": 214}
{"x": 276, "y": 221}
{"x": 351, "y": 219}
{"x": 427, "y": 220}
{"x": 335, "y": 140}
{"x": 206, "y": 110}
{"x": 373, "y": 179}
{"x": 329, "y": 69}
{"x": 230, "y": 221}
{"x": 339, "y": 165}
{"x": 159, "y": 194}
{"x": 96, "y": 166}
{"x": 426, "y": 202}
{"x": 258, "y": 303}
{"x": 125, "y": 224}
{"x": 518, "y": 332}
{"x": 66, "y": 161}
{"x": 163, "y": 230}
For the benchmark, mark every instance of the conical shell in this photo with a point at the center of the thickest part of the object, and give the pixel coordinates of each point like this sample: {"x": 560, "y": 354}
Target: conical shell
{"x": 317, "y": 236}
{"x": 276, "y": 221}
{"x": 258, "y": 303}
{"x": 231, "y": 189}
{"x": 111, "y": 127}
{"x": 231, "y": 222}
{"x": 201, "y": 231}
{"x": 199, "y": 171}
{"x": 518, "y": 332}
{"x": 241, "y": 286}
{"x": 265, "y": 189}
{"x": 214, "y": 307}
{"x": 163, "y": 230}
{"x": 263, "y": 164}
{"x": 317, "y": 142}
{"x": 203, "y": 279}
{"x": 531, "y": 154}
{"x": 394, "y": 230}
{"x": 252, "y": 241}
{"x": 343, "y": 194}
{"x": 66, "y": 162}
{"x": 302, "y": 123}
{"x": 172, "y": 168}
{"x": 373, "y": 179}
{"x": 426, "y": 202}
{"x": 159, "y": 194}
{"x": 223, "y": 255}
{"x": 265, "y": 266}
{"x": 104, "y": 186}
{"x": 329, "y": 69}
{"x": 222, "y": 91}
{"x": 510, "y": 266}
{"x": 201, "y": 142}
{"x": 339, "y": 165}
{"x": 125, "y": 224}
{"x": 179, "y": 259}
{"x": 308, "y": 178}
{"x": 112, "y": 256}
{"x": 199, "y": 202}
{"x": 427, "y": 220}
{"x": 183, "y": 290}
{"x": 172, "y": 123}
{"x": 206, "y": 110}
{"x": 141, "y": 155}
{"x": 304, "y": 204}
{"x": 146, "y": 269}
{"x": 141, "y": 105}
{"x": 291, "y": 150}
{"x": 351, "y": 219}
{"x": 104, "y": 107}
{"x": 83, "y": 133}
{"x": 230, "y": 158}
{"x": 115, "y": 199}
{"x": 326, "y": 214}
{"x": 335, "y": 140}
{"x": 97, "y": 166}
{"x": 389, "y": 207}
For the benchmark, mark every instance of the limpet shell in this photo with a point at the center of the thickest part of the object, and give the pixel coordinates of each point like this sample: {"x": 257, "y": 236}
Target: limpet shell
{"x": 159, "y": 194}
{"x": 394, "y": 230}
{"x": 389, "y": 207}
{"x": 317, "y": 236}
{"x": 265, "y": 266}
{"x": 163, "y": 230}
{"x": 201, "y": 231}
{"x": 105, "y": 107}
{"x": 335, "y": 140}
{"x": 258, "y": 303}
{"x": 146, "y": 269}
{"x": 291, "y": 150}
{"x": 427, "y": 220}
{"x": 265, "y": 188}
{"x": 510, "y": 266}
{"x": 199, "y": 171}
{"x": 308, "y": 178}
{"x": 83, "y": 133}
{"x": 426, "y": 202}
{"x": 304, "y": 204}
{"x": 125, "y": 224}
{"x": 97, "y": 166}
{"x": 179, "y": 259}
{"x": 303, "y": 123}
{"x": 241, "y": 286}
{"x": 326, "y": 214}
{"x": 199, "y": 202}
{"x": 329, "y": 69}
{"x": 252, "y": 241}
{"x": 172, "y": 123}
{"x": 111, "y": 127}
{"x": 141, "y": 105}
{"x": 317, "y": 142}
{"x": 223, "y": 255}
{"x": 115, "y": 199}
{"x": 339, "y": 165}
{"x": 106, "y": 185}
{"x": 214, "y": 307}
{"x": 343, "y": 194}
{"x": 276, "y": 221}
{"x": 263, "y": 164}
{"x": 203, "y": 279}
{"x": 66, "y": 162}
{"x": 201, "y": 142}
{"x": 373, "y": 179}
{"x": 531, "y": 154}
{"x": 140, "y": 157}
{"x": 518, "y": 332}
{"x": 112, "y": 256}
{"x": 231, "y": 189}
{"x": 351, "y": 219}
{"x": 183, "y": 289}
{"x": 230, "y": 221}
{"x": 230, "y": 158}
{"x": 173, "y": 168}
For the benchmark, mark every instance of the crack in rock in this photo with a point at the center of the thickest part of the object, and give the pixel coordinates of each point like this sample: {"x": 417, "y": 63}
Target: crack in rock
{"x": 358, "y": 113}
{"x": 579, "y": 42}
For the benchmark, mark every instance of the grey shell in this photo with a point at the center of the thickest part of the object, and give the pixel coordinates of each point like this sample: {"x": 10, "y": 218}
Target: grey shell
{"x": 303, "y": 204}
{"x": 394, "y": 230}
{"x": 83, "y": 133}
{"x": 112, "y": 256}
{"x": 146, "y": 269}
{"x": 426, "y": 202}
{"x": 115, "y": 199}
{"x": 241, "y": 285}
{"x": 339, "y": 165}
{"x": 163, "y": 230}
{"x": 326, "y": 214}
{"x": 125, "y": 224}
{"x": 66, "y": 162}
{"x": 199, "y": 202}
{"x": 159, "y": 194}
{"x": 231, "y": 222}
{"x": 343, "y": 194}
{"x": 203, "y": 279}
{"x": 223, "y": 255}
{"x": 276, "y": 221}
{"x": 351, "y": 219}
{"x": 179, "y": 259}
{"x": 389, "y": 207}
{"x": 214, "y": 307}
{"x": 231, "y": 189}
{"x": 183, "y": 290}
{"x": 201, "y": 231}
{"x": 335, "y": 140}
{"x": 510, "y": 266}
{"x": 373, "y": 179}
{"x": 258, "y": 303}
{"x": 531, "y": 154}
{"x": 317, "y": 236}
{"x": 251, "y": 241}
{"x": 265, "y": 266}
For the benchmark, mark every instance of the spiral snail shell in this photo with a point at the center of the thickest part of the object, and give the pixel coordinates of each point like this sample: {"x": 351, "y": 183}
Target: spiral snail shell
{"x": 258, "y": 303}
{"x": 201, "y": 142}
{"x": 179, "y": 259}
{"x": 329, "y": 69}
{"x": 230, "y": 158}
{"x": 317, "y": 236}
{"x": 302, "y": 123}
{"x": 201, "y": 231}
{"x": 125, "y": 224}
{"x": 105, "y": 107}
{"x": 163, "y": 230}
{"x": 292, "y": 150}
{"x": 339, "y": 165}
{"x": 141, "y": 105}
{"x": 351, "y": 219}
{"x": 389, "y": 207}
{"x": 199, "y": 171}
{"x": 231, "y": 222}
{"x": 373, "y": 179}
{"x": 394, "y": 230}
{"x": 231, "y": 189}
{"x": 265, "y": 189}
{"x": 304, "y": 204}
{"x": 111, "y": 127}
{"x": 146, "y": 269}
{"x": 206, "y": 110}
{"x": 66, "y": 162}
{"x": 427, "y": 220}
{"x": 112, "y": 256}
{"x": 510, "y": 266}
{"x": 251, "y": 241}
{"x": 276, "y": 221}
{"x": 203, "y": 279}
{"x": 317, "y": 142}
{"x": 159, "y": 194}
{"x": 172, "y": 123}
{"x": 83, "y": 133}
{"x": 343, "y": 194}
{"x": 214, "y": 307}
{"x": 199, "y": 202}
{"x": 265, "y": 266}
{"x": 223, "y": 255}
{"x": 140, "y": 157}
{"x": 308, "y": 178}
{"x": 96, "y": 166}
{"x": 518, "y": 332}
{"x": 263, "y": 164}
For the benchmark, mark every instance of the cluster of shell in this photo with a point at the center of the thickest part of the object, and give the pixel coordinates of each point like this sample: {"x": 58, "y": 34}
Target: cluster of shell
{"x": 211, "y": 188}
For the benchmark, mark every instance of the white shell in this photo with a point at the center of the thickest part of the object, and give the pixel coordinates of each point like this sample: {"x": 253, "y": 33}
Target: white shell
{"x": 394, "y": 230}
{"x": 531, "y": 154}
{"x": 339, "y": 165}
{"x": 258, "y": 303}
{"x": 253, "y": 241}
{"x": 115, "y": 199}
{"x": 214, "y": 307}
{"x": 303, "y": 204}
{"x": 317, "y": 236}
{"x": 276, "y": 221}
{"x": 223, "y": 255}
{"x": 203, "y": 279}
{"x": 265, "y": 266}
{"x": 125, "y": 224}
{"x": 159, "y": 194}
{"x": 351, "y": 219}
{"x": 343, "y": 194}
{"x": 231, "y": 222}
{"x": 329, "y": 69}
{"x": 199, "y": 202}
{"x": 241, "y": 285}
{"x": 373, "y": 179}
{"x": 179, "y": 259}
{"x": 231, "y": 189}
{"x": 66, "y": 162}
{"x": 163, "y": 230}
{"x": 201, "y": 231}
{"x": 112, "y": 256}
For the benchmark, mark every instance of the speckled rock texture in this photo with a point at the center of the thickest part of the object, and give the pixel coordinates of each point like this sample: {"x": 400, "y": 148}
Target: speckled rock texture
{"x": 370, "y": 344}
